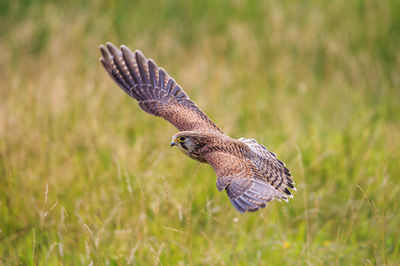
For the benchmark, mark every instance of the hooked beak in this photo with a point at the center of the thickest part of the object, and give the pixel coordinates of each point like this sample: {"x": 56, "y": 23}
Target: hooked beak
{"x": 173, "y": 144}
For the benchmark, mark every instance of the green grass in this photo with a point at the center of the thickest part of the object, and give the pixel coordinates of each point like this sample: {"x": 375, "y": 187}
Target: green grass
{"x": 86, "y": 176}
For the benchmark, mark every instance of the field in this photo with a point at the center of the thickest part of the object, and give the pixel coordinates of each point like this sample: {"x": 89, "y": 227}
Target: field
{"x": 87, "y": 178}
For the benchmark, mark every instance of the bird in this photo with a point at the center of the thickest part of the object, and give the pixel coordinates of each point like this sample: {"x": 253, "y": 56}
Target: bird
{"x": 250, "y": 174}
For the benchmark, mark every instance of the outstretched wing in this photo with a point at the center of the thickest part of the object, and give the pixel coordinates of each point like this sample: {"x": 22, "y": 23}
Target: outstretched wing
{"x": 242, "y": 181}
{"x": 156, "y": 92}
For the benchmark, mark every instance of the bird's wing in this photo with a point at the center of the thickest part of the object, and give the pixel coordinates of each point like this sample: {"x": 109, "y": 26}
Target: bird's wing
{"x": 272, "y": 169}
{"x": 156, "y": 92}
{"x": 242, "y": 181}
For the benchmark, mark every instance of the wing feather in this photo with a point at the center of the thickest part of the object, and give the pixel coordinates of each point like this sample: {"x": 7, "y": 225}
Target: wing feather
{"x": 156, "y": 92}
{"x": 242, "y": 181}
{"x": 273, "y": 169}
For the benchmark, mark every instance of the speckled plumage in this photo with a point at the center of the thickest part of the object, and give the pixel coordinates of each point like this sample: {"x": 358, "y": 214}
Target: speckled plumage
{"x": 249, "y": 173}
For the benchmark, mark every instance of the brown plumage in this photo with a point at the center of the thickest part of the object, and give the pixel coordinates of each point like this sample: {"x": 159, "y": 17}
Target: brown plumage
{"x": 250, "y": 174}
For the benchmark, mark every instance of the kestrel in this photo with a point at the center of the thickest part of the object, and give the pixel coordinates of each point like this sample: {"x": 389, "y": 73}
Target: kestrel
{"x": 250, "y": 174}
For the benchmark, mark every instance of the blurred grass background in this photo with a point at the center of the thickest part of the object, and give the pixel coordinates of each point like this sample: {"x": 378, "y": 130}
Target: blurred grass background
{"x": 87, "y": 177}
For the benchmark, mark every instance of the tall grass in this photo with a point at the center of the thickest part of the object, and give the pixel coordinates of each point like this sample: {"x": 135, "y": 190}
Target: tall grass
{"x": 87, "y": 177}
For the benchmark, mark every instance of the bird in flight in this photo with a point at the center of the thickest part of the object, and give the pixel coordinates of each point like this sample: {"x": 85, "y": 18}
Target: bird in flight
{"x": 250, "y": 174}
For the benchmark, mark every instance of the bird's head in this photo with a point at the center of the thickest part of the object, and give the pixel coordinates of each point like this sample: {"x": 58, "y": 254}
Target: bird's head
{"x": 189, "y": 142}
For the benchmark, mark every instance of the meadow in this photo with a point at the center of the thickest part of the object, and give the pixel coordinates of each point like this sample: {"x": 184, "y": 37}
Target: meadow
{"x": 87, "y": 178}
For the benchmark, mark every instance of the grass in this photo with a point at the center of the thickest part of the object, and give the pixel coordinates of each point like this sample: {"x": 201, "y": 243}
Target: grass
{"x": 88, "y": 178}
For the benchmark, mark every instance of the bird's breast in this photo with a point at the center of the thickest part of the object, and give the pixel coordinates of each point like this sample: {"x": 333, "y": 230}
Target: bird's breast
{"x": 194, "y": 155}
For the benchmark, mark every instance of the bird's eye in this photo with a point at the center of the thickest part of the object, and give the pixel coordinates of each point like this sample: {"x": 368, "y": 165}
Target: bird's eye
{"x": 180, "y": 139}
